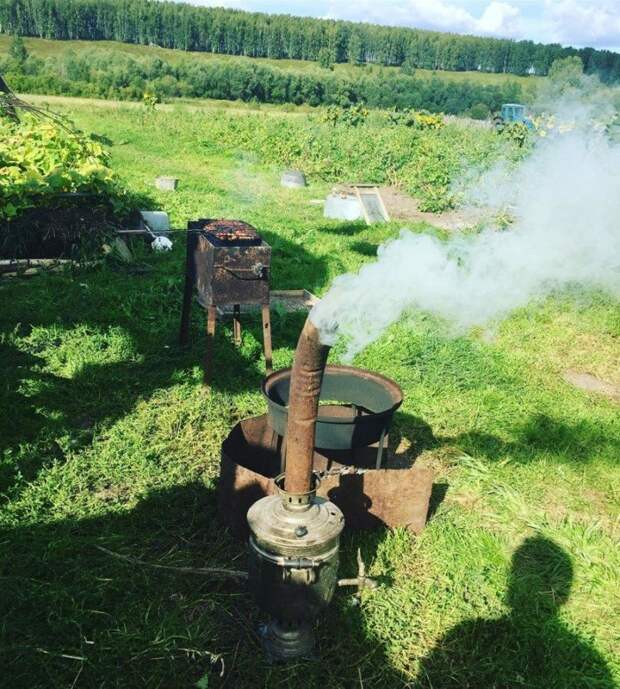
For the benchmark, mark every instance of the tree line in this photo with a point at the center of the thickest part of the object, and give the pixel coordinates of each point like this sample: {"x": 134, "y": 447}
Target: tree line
{"x": 103, "y": 74}
{"x": 234, "y": 32}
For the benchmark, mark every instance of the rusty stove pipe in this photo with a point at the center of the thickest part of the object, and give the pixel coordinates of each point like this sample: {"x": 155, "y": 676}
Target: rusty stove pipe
{"x": 306, "y": 378}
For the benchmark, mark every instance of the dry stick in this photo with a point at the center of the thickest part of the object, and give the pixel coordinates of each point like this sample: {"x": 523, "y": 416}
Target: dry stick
{"x": 79, "y": 672}
{"x": 61, "y": 655}
{"x": 232, "y": 667}
{"x": 208, "y": 571}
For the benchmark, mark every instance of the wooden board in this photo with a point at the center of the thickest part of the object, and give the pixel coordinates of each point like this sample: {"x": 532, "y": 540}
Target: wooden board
{"x": 372, "y": 204}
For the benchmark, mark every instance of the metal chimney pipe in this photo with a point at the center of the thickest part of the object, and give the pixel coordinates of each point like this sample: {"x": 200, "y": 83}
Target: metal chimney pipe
{"x": 306, "y": 379}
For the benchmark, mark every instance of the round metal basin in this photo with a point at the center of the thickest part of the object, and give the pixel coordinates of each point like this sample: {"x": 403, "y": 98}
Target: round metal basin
{"x": 293, "y": 179}
{"x": 357, "y": 407}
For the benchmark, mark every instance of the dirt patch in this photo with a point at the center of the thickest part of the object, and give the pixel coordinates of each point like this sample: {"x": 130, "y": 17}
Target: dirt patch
{"x": 401, "y": 206}
{"x": 590, "y": 383}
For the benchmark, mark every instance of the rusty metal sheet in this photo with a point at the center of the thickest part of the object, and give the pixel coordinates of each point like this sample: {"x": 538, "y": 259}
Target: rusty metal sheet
{"x": 390, "y": 497}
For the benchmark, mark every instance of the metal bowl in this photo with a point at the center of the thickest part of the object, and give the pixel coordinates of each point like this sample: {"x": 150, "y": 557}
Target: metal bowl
{"x": 362, "y": 414}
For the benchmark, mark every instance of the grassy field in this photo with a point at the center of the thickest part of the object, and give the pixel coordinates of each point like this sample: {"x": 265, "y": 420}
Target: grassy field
{"x": 49, "y": 48}
{"x": 108, "y": 439}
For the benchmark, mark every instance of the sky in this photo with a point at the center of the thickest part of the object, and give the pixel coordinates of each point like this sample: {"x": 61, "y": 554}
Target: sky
{"x": 578, "y": 23}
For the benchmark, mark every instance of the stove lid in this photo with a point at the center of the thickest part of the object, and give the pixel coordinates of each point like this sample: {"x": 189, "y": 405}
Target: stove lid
{"x": 231, "y": 233}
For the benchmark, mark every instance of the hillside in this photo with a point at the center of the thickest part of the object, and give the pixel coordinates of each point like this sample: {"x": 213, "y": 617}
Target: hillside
{"x": 218, "y": 30}
{"x": 44, "y": 48}
{"x": 106, "y": 69}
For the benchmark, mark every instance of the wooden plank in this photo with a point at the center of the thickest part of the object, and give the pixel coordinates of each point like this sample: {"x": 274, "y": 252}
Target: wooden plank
{"x": 362, "y": 205}
{"x": 374, "y": 210}
{"x": 386, "y": 215}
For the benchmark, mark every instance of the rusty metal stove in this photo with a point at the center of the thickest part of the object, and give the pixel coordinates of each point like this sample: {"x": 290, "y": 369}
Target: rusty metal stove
{"x": 227, "y": 264}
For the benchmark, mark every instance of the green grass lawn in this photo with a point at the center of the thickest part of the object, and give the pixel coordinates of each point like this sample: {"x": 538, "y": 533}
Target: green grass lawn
{"x": 108, "y": 439}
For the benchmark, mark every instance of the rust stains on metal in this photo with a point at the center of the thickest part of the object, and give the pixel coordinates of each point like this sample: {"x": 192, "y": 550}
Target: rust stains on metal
{"x": 368, "y": 498}
{"x": 306, "y": 378}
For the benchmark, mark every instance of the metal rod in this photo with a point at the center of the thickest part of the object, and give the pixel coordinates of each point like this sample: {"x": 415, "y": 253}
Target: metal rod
{"x": 266, "y": 316}
{"x": 188, "y": 288}
{"x": 211, "y": 321}
{"x": 380, "y": 450}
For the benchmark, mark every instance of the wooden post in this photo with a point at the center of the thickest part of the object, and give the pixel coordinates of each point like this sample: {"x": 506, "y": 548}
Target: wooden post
{"x": 237, "y": 324}
{"x": 267, "y": 338}
{"x": 208, "y": 362}
{"x": 187, "y": 293}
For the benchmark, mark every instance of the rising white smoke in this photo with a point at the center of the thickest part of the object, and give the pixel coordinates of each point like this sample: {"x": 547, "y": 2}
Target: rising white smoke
{"x": 565, "y": 200}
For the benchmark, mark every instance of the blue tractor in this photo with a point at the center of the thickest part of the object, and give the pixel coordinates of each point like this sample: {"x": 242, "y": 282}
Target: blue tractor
{"x": 512, "y": 113}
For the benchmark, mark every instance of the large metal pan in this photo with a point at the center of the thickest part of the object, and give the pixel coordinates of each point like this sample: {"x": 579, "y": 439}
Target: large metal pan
{"x": 357, "y": 411}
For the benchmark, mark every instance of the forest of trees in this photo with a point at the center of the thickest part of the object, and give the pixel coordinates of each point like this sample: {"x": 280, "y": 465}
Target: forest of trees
{"x": 105, "y": 74}
{"x": 233, "y": 32}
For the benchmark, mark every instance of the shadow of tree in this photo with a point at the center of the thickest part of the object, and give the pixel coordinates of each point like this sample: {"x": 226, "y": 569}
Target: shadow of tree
{"x": 581, "y": 441}
{"x": 39, "y": 407}
{"x": 345, "y": 229}
{"x": 364, "y": 248}
{"x": 71, "y": 608}
{"x": 72, "y": 611}
{"x": 577, "y": 442}
{"x": 292, "y": 266}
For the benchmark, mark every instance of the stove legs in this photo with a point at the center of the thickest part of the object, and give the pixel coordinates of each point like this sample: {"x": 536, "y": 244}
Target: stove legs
{"x": 184, "y": 331}
{"x": 208, "y": 361}
{"x": 211, "y": 322}
{"x": 267, "y": 338}
{"x": 186, "y": 311}
{"x": 237, "y": 324}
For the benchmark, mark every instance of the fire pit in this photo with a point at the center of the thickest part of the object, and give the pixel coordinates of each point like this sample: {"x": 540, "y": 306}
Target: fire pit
{"x": 366, "y": 404}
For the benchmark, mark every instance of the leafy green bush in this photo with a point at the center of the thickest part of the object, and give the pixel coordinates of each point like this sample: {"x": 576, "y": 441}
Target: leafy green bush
{"x": 479, "y": 111}
{"x": 41, "y": 160}
{"x": 352, "y": 116}
{"x": 424, "y": 159}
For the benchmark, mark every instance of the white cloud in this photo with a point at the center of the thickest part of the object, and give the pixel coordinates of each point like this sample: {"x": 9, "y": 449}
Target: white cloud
{"x": 498, "y": 18}
{"x": 584, "y": 23}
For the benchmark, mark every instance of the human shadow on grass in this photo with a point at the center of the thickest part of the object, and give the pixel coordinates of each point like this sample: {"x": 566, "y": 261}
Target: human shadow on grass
{"x": 531, "y": 646}
{"x": 77, "y": 616}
